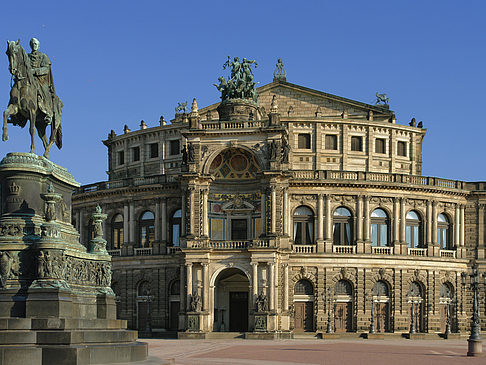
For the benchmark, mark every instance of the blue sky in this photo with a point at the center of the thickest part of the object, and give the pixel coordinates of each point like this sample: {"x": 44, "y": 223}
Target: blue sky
{"x": 118, "y": 62}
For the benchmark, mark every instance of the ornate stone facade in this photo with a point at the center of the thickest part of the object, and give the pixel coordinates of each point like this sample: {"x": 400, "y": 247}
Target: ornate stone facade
{"x": 318, "y": 193}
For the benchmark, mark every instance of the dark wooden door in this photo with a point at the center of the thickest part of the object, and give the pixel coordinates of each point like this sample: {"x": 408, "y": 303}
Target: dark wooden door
{"x": 238, "y": 314}
{"x": 343, "y": 317}
{"x": 382, "y": 317}
{"x": 174, "y": 316}
{"x": 142, "y": 316}
{"x": 304, "y": 316}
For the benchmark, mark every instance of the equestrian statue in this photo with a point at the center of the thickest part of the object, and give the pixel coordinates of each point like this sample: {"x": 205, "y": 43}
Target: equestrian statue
{"x": 32, "y": 95}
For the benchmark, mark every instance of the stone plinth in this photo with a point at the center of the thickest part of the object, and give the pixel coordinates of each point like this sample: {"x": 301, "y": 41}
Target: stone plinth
{"x": 56, "y": 304}
{"x": 237, "y": 110}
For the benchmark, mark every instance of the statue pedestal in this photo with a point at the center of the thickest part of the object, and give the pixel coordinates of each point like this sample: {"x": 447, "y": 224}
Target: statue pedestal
{"x": 261, "y": 322}
{"x": 237, "y": 110}
{"x": 55, "y": 296}
{"x": 194, "y": 321}
{"x": 474, "y": 347}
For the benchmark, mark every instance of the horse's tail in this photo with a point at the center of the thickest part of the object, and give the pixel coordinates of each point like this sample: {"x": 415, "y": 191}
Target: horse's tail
{"x": 59, "y": 136}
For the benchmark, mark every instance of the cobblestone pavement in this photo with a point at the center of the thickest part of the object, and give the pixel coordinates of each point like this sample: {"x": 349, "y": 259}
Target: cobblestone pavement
{"x": 310, "y": 352}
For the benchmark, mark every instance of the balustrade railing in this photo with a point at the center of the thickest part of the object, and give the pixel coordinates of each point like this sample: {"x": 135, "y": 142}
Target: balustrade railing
{"x": 382, "y": 250}
{"x": 114, "y": 252}
{"x": 343, "y": 249}
{"x": 143, "y": 251}
{"x": 417, "y": 251}
{"x": 229, "y": 245}
{"x": 303, "y": 248}
{"x": 212, "y": 125}
{"x": 172, "y": 250}
{"x": 448, "y": 253}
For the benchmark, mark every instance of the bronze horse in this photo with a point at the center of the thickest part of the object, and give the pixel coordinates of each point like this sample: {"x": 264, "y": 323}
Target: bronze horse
{"x": 24, "y": 103}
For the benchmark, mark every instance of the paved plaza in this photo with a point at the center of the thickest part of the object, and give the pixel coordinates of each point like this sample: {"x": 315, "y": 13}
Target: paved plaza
{"x": 309, "y": 352}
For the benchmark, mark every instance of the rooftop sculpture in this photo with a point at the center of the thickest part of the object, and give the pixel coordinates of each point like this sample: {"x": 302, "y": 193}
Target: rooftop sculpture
{"x": 240, "y": 85}
{"x": 32, "y": 95}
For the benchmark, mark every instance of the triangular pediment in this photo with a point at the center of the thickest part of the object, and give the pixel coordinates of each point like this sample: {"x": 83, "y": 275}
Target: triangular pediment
{"x": 302, "y": 102}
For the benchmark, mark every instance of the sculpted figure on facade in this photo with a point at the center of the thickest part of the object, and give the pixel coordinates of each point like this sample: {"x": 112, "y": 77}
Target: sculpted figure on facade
{"x": 261, "y": 302}
{"x": 196, "y": 304}
{"x": 240, "y": 85}
{"x": 7, "y": 267}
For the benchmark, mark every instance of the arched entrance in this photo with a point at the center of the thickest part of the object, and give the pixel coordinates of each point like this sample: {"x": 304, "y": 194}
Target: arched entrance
{"x": 446, "y": 302}
{"x": 303, "y": 306}
{"x": 343, "y": 307}
{"x": 381, "y": 301}
{"x": 231, "y": 301}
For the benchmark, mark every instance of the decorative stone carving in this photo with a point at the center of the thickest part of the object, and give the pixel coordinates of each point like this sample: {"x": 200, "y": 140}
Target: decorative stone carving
{"x": 261, "y": 303}
{"x": 8, "y": 267}
{"x": 261, "y": 323}
{"x": 98, "y": 243}
{"x": 196, "y": 303}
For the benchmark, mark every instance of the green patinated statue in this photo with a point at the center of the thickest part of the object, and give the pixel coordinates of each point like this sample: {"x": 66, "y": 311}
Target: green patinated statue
{"x": 240, "y": 85}
{"x": 32, "y": 96}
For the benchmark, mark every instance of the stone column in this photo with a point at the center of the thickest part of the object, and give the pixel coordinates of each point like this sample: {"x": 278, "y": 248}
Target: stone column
{"x": 131, "y": 223}
{"x": 125, "y": 224}
{"x": 205, "y": 278}
{"x": 359, "y": 218}
{"x": 434, "y": 223}
{"x": 191, "y": 212}
{"x": 461, "y": 225}
{"x": 189, "y": 285}
{"x": 286, "y": 288}
{"x": 274, "y": 209}
{"x": 403, "y": 241}
{"x": 254, "y": 281}
{"x": 183, "y": 213}
{"x": 78, "y": 217}
{"x": 163, "y": 213}
{"x": 480, "y": 223}
{"x": 182, "y": 293}
{"x": 157, "y": 221}
{"x": 428, "y": 223}
{"x": 396, "y": 222}
{"x": 286, "y": 212}
{"x": 456, "y": 227}
{"x": 275, "y": 286}
{"x": 328, "y": 233}
{"x": 272, "y": 285}
{"x": 366, "y": 236}
{"x": 320, "y": 217}
{"x": 263, "y": 212}
{"x": 205, "y": 212}
{"x": 81, "y": 228}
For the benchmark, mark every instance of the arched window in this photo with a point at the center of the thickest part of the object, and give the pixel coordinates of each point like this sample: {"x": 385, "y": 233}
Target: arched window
{"x": 303, "y": 226}
{"x": 147, "y": 229}
{"x": 443, "y": 232}
{"x": 116, "y": 232}
{"x": 342, "y": 233}
{"x": 304, "y": 287}
{"x": 413, "y": 230}
{"x": 379, "y": 228}
{"x": 175, "y": 227}
{"x": 344, "y": 287}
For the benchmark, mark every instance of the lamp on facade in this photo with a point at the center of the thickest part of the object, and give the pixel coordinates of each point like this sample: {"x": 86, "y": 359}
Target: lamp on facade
{"x": 412, "y": 299}
{"x": 474, "y": 341}
{"x": 372, "y": 320}
{"x": 148, "y": 299}
{"x": 329, "y": 309}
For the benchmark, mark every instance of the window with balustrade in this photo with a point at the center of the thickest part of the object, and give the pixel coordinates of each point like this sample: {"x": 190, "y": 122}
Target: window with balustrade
{"x": 303, "y": 226}
{"x": 443, "y": 232}
{"x": 175, "y": 227}
{"x": 342, "y": 227}
{"x": 116, "y": 232}
{"x": 379, "y": 228}
{"x": 147, "y": 229}
{"x": 414, "y": 230}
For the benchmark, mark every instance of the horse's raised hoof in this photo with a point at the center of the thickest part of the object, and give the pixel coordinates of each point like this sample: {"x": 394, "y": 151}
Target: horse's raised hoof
{"x": 5, "y": 137}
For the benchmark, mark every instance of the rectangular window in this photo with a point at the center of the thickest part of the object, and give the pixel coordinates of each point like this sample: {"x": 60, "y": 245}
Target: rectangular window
{"x": 356, "y": 143}
{"x": 136, "y": 153}
{"x": 380, "y": 145}
{"x": 331, "y": 142}
{"x": 121, "y": 157}
{"x": 402, "y": 148}
{"x": 154, "y": 150}
{"x": 174, "y": 147}
{"x": 304, "y": 141}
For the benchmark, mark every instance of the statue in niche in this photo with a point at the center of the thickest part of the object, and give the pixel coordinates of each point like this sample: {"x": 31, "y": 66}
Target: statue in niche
{"x": 196, "y": 304}
{"x": 190, "y": 152}
{"x": 261, "y": 302}
{"x": 285, "y": 150}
